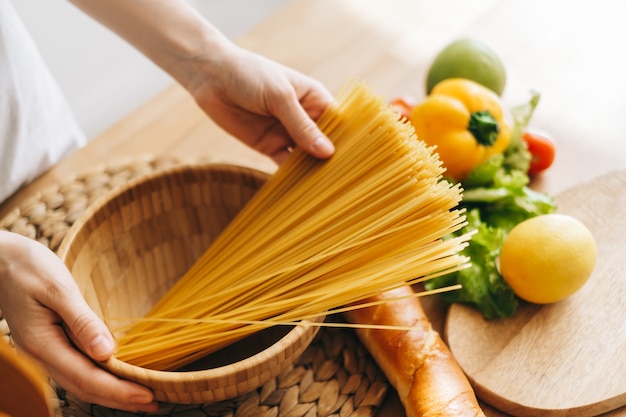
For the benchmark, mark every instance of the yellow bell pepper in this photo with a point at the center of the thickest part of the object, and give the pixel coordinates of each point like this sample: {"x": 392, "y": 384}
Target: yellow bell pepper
{"x": 464, "y": 120}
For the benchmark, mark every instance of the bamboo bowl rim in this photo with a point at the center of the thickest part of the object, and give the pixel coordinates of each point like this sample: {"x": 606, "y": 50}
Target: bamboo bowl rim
{"x": 122, "y": 368}
{"x": 205, "y": 385}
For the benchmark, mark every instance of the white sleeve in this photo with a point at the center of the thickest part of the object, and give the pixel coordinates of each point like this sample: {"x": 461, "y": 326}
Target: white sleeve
{"x": 37, "y": 127}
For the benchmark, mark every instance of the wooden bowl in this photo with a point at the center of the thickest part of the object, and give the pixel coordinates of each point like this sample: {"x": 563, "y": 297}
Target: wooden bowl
{"x": 128, "y": 249}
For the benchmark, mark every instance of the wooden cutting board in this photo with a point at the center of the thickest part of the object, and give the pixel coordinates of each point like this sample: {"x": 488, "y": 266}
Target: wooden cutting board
{"x": 567, "y": 358}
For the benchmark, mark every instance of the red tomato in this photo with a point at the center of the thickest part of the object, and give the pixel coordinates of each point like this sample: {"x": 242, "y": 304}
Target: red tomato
{"x": 404, "y": 105}
{"x": 541, "y": 148}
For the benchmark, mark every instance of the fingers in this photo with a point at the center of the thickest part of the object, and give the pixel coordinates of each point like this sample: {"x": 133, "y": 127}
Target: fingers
{"x": 83, "y": 326}
{"x": 305, "y": 132}
{"x": 86, "y": 330}
{"x": 80, "y": 376}
{"x": 299, "y": 123}
{"x": 57, "y": 299}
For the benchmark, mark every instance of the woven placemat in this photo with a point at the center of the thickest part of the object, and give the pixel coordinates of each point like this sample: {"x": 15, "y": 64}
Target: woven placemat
{"x": 335, "y": 376}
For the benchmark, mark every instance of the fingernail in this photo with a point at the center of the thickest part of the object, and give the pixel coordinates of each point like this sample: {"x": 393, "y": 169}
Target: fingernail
{"x": 323, "y": 146}
{"x": 142, "y": 399}
{"x": 145, "y": 406}
{"x": 101, "y": 346}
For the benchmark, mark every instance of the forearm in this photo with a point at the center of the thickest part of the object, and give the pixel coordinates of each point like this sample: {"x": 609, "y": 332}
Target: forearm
{"x": 169, "y": 32}
{"x": 262, "y": 103}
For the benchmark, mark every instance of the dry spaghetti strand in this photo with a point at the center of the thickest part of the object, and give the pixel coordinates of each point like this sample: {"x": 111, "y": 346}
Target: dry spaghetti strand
{"x": 318, "y": 235}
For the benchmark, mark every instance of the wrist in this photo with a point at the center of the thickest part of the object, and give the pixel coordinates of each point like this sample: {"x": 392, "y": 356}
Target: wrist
{"x": 10, "y": 252}
{"x": 8, "y": 242}
{"x": 14, "y": 248}
{"x": 199, "y": 57}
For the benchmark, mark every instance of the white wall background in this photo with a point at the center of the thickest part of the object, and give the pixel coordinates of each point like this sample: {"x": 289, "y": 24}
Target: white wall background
{"x": 102, "y": 77}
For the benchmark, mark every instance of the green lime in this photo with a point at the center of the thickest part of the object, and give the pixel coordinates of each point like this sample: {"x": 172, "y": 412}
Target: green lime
{"x": 468, "y": 58}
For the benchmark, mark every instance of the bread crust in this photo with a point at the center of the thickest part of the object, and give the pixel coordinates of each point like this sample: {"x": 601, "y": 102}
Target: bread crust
{"x": 416, "y": 362}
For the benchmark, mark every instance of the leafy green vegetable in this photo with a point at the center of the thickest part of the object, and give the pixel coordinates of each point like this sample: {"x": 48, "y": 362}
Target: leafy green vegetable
{"x": 482, "y": 285}
{"x": 517, "y": 156}
{"x": 496, "y": 197}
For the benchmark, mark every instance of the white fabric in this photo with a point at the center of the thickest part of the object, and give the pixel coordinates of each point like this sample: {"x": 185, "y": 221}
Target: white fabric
{"x": 37, "y": 128}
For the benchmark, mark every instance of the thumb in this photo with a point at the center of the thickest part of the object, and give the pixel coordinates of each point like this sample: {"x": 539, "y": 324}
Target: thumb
{"x": 304, "y": 131}
{"x": 86, "y": 329}
{"x": 55, "y": 297}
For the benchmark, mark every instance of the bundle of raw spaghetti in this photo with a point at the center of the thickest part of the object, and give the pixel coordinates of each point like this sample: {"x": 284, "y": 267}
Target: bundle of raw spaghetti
{"x": 318, "y": 235}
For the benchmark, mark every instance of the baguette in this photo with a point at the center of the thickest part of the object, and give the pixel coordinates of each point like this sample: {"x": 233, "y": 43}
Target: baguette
{"x": 417, "y": 363}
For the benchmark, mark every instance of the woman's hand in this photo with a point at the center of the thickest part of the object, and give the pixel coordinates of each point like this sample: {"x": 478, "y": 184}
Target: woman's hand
{"x": 269, "y": 107}
{"x": 37, "y": 296}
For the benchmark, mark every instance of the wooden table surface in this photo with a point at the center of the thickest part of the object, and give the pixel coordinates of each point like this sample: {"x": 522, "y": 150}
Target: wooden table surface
{"x": 569, "y": 51}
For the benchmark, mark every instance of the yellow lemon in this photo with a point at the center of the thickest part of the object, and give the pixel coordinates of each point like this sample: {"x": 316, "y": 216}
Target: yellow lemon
{"x": 548, "y": 258}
